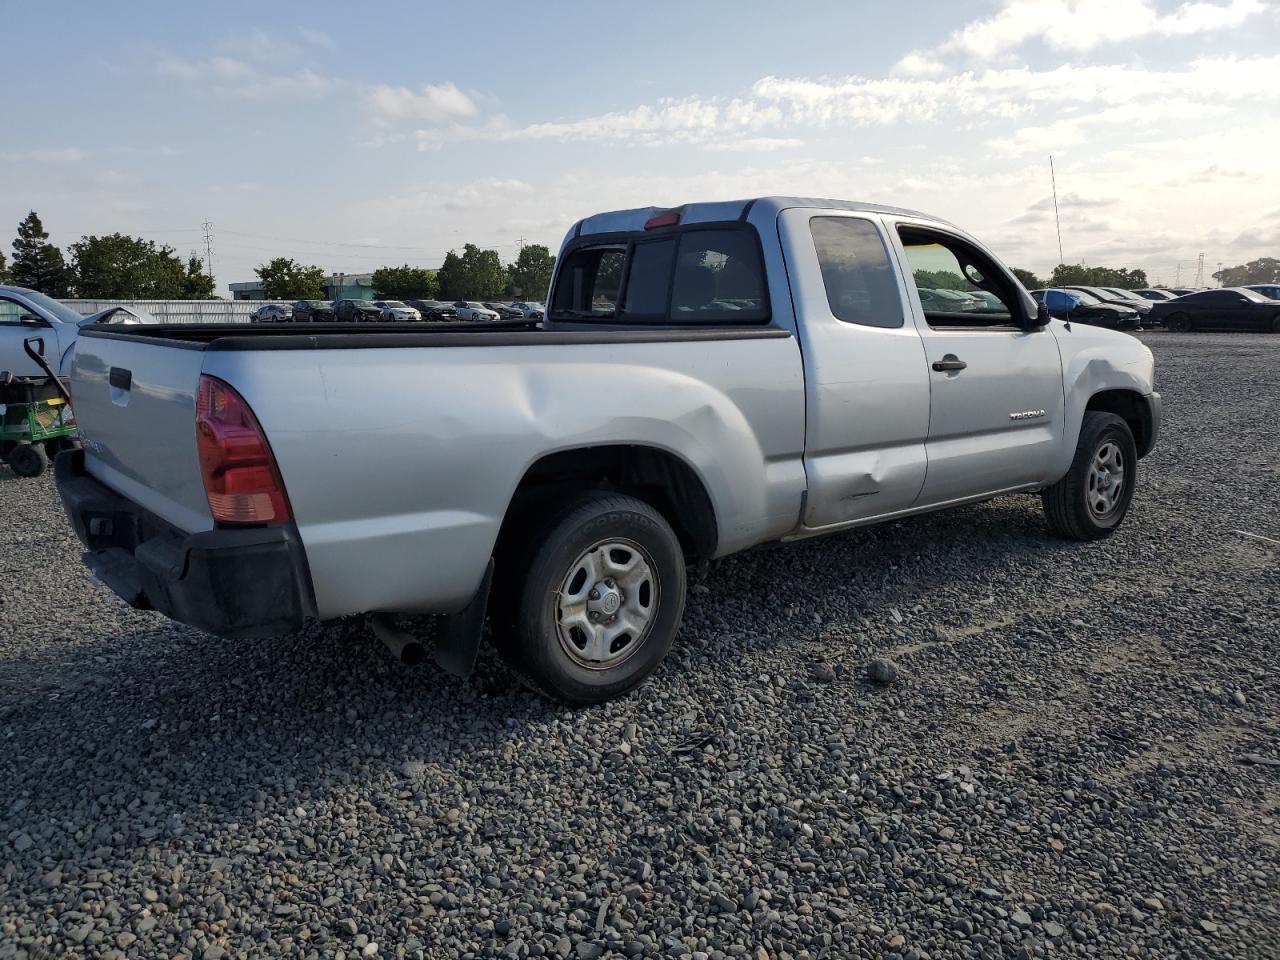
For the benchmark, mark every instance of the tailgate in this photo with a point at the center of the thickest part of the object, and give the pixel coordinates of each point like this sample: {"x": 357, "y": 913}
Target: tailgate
{"x": 135, "y": 403}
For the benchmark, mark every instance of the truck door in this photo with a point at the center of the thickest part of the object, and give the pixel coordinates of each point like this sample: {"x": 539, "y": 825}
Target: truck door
{"x": 996, "y": 408}
{"x": 866, "y": 381}
{"x": 17, "y": 323}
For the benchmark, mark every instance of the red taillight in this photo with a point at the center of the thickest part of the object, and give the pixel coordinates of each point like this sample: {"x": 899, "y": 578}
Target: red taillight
{"x": 669, "y": 218}
{"x": 240, "y": 474}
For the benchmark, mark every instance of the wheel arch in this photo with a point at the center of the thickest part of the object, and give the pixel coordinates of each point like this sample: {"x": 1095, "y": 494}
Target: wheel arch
{"x": 659, "y": 477}
{"x": 1131, "y": 407}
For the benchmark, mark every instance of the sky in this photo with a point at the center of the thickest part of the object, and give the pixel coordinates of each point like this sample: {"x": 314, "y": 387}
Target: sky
{"x": 356, "y": 136}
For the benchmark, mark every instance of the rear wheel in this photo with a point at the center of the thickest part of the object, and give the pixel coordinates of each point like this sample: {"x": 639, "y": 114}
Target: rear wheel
{"x": 1093, "y": 498}
{"x": 26, "y": 461}
{"x": 597, "y": 604}
{"x": 1275, "y": 323}
{"x": 1179, "y": 323}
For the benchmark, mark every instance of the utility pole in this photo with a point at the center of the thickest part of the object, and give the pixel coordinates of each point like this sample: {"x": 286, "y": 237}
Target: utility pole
{"x": 1056, "y": 219}
{"x": 208, "y": 247}
{"x": 520, "y": 242}
{"x": 1200, "y": 271}
{"x": 1220, "y": 277}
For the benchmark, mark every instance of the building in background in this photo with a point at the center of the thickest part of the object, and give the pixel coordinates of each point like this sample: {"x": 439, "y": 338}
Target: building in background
{"x": 337, "y": 286}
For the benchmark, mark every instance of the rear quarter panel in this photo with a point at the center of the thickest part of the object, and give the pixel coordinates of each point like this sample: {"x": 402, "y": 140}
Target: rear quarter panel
{"x": 400, "y": 462}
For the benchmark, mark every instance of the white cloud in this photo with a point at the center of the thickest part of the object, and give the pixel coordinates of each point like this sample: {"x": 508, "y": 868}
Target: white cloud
{"x": 230, "y": 76}
{"x": 1084, "y": 24}
{"x": 44, "y": 155}
{"x": 432, "y": 103}
{"x": 316, "y": 38}
{"x": 919, "y": 63}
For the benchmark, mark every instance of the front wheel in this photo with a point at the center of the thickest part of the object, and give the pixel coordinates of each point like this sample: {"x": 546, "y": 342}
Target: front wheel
{"x": 1093, "y": 498}
{"x": 1179, "y": 323}
{"x": 599, "y": 604}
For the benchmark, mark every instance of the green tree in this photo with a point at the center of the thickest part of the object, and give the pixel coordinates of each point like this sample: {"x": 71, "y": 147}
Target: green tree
{"x": 1027, "y": 278}
{"x": 285, "y": 279}
{"x": 4, "y": 273}
{"x": 118, "y": 267}
{"x": 474, "y": 275}
{"x": 1262, "y": 270}
{"x": 196, "y": 284}
{"x": 37, "y": 263}
{"x": 1078, "y": 275}
{"x": 400, "y": 283}
{"x": 530, "y": 275}
{"x": 941, "y": 280}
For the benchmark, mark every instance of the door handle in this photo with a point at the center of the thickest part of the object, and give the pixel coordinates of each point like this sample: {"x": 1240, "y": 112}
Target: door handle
{"x": 948, "y": 363}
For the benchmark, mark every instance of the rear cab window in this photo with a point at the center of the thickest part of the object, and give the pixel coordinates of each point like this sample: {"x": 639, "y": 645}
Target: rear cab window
{"x": 688, "y": 275}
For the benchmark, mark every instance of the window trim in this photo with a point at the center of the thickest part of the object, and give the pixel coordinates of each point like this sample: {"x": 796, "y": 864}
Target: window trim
{"x": 627, "y": 242}
{"x": 1020, "y": 320}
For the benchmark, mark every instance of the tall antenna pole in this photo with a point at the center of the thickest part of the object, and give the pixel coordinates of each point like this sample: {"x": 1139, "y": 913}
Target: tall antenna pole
{"x": 1058, "y": 220}
{"x": 520, "y": 242}
{"x": 1200, "y": 271}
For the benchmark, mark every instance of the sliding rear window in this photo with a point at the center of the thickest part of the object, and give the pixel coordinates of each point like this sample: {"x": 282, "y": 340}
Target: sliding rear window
{"x": 688, "y": 276}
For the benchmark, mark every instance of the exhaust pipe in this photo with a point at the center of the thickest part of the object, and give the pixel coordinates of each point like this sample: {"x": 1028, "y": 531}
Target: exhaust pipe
{"x": 405, "y": 647}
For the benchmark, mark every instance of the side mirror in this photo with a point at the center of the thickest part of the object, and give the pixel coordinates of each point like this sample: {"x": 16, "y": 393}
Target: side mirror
{"x": 1042, "y": 315}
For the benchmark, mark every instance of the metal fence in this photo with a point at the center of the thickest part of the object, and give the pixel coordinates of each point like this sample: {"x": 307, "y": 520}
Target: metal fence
{"x": 181, "y": 311}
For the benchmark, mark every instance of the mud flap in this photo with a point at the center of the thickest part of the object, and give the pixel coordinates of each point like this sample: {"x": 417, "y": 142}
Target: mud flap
{"x": 458, "y": 643}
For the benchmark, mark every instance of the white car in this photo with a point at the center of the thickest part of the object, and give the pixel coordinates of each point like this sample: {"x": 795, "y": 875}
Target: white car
{"x": 471, "y": 310}
{"x": 393, "y": 311}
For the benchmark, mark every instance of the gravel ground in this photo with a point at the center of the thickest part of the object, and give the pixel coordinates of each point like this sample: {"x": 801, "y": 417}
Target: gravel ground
{"x": 1078, "y": 758}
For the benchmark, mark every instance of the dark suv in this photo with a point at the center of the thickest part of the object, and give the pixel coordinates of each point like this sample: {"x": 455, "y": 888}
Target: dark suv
{"x": 356, "y": 311}
{"x": 312, "y": 311}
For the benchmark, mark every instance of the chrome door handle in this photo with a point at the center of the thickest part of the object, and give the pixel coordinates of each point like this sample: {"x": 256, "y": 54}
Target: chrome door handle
{"x": 948, "y": 363}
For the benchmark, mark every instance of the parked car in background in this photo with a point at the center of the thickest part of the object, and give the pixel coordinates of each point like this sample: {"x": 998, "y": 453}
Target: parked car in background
{"x": 947, "y": 301}
{"x": 505, "y": 311}
{"x": 471, "y": 310}
{"x": 530, "y": 309}
{"x": 1271, "y": 290}
{"x": 356, "y": 311}
{"x": 1076, "y": 306}
{"x": 1155, "y": 293}
{"x": 434, "y": 310}
{"x": 1230, "y": 308}
{"x": 1181, "y": 291}
{"x": 766, "y": 373}
{"x": 28, "y": 313}
{"x": 1139, "y": 304}
{"x": 395, "y": 311}
{"x": 312, "y": 311}
{"x": 272, "y": 313}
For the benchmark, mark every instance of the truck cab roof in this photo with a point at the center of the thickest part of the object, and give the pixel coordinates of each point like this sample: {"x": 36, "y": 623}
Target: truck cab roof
{"x": 634, "y": 220}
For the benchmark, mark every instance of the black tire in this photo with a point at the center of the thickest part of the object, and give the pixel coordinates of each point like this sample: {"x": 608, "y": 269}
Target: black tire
{"x": 536, "y": 644}
{"x": 1178, "y": 323}
{"x": 26, "y": 461}
{"x": 1275, "y": 323}
{"x": 1070, "y": 505}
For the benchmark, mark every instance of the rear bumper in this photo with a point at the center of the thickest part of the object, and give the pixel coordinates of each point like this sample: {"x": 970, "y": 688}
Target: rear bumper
{"x": 246, "y": 582}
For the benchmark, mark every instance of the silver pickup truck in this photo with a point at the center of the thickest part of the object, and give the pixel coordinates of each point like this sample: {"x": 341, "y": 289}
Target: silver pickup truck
{"x": 707, "y": 378}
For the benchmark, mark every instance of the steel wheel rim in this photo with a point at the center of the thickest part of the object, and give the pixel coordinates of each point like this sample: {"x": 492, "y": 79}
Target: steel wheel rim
{"x": 1106, "y": 479}
{"x": 607, "y": 603}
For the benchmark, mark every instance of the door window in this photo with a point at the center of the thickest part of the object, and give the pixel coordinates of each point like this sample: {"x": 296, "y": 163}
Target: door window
{"x": 855, "y": 268}
{"x": 958, "y": 286}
